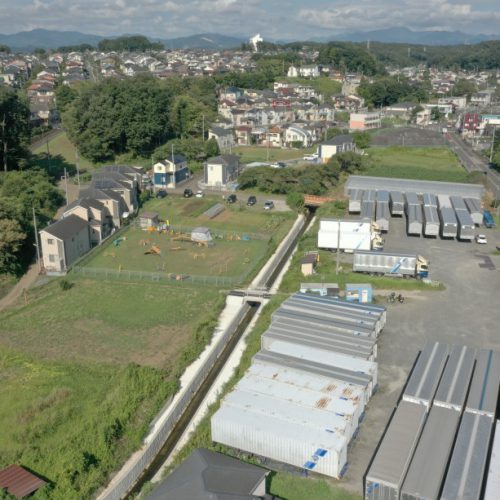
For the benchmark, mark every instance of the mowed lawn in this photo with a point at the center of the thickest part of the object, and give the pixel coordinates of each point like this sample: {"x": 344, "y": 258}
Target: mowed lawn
{"x": 85, "y": 370}
{"x": 249, "y": 154}
{"x": 432, "y": 164}
{"x": 100, "y": 321}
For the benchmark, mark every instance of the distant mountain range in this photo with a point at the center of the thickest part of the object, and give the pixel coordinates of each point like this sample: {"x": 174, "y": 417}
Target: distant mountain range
{"x": 51, "y": 39}
{"x": 405, "y": 35}
{"x": 204, "y": 41}
{"x": 26, "y": 41}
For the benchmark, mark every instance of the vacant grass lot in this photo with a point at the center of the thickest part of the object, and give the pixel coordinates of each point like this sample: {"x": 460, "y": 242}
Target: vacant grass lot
{"x": 432, "y": 164}
{"x": 7, "y": 281}
{"x": 250, "y": 154}
{"x": 85, "y": 370}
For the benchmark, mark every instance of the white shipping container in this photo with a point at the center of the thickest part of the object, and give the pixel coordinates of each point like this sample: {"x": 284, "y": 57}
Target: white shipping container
{"x": 306, "y": 398}
{"x": 331, "y": 359}
{"x": 313, "y": 382}
{"x": 294, "y": 444}
{"x": 353, "y": 234}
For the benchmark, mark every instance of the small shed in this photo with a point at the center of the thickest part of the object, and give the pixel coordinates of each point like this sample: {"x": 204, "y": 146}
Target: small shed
{"x": 201, "y": 235}
{"x": 330, "y": 289}
{"x": 358, "y": 292}
{"x": 148, "y": 219}
{"x": 19, "y": 482}
{"x": 308, "y": 263}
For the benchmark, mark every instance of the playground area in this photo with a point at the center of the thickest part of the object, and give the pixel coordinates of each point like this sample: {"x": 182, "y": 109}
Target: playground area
{"x": 175, "y": 252}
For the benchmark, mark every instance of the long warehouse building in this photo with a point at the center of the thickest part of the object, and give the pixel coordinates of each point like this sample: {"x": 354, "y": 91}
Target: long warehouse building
{"x": 304, "y": 395}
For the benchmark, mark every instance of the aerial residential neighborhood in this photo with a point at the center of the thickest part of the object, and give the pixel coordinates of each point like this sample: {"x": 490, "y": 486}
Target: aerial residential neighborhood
{"x": 258, "y": 262}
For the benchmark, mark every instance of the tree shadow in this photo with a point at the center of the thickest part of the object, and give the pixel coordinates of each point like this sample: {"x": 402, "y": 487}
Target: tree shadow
{"x": 54, "y": 165}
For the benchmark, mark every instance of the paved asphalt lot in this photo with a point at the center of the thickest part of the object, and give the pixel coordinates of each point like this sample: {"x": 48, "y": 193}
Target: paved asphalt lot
{"x": 466, "y": 312}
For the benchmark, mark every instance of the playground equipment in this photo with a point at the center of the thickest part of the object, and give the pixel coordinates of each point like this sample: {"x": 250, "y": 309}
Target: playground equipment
{"x": 154, "y": 250}
{"x": 117, "y": 242}
{"x": 182, "y": 237}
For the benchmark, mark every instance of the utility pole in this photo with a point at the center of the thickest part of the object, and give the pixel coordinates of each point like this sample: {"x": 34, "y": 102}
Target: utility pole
{"x": 267, "y": 147}
{"x": 37, "y": 244}
{"x": 66, "y": 185}
{"x": 338, "y": 249}
{"x": 492, "y": 143}
{"x": 4, "y": 137}
{"x": 203, "y": 128}
{"x": 77, "y": 159}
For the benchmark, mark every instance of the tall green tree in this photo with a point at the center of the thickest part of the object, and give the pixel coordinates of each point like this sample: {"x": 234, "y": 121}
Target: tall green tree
{"x": 15, "y": 129}
{"x": 11, "y": 241}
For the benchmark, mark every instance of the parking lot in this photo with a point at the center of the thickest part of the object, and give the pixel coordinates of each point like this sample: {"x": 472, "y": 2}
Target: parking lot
{"x": 466, "y": 312}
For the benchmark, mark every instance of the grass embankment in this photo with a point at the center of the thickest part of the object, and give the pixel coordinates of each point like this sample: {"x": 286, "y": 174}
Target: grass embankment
{"x": 431, "y": 164}
{"x": 249, "y": 154}
{"x": 85, "y": 370}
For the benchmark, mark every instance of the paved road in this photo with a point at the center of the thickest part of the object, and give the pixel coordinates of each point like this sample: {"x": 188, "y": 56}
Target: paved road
{"x": 473, "y": 162}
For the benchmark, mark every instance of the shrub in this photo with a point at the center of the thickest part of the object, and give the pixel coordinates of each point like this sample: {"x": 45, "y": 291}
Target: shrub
{"x": 65, "y": 284}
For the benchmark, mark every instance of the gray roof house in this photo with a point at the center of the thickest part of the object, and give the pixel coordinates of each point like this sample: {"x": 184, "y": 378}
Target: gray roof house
{"x": 63, "y": 242}
{"x": 338, "y": 144}
{"x": 220, "y": 170}
{"x": 207, "y": 475}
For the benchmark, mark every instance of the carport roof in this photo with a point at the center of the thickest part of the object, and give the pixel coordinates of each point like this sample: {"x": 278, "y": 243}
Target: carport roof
{"x": 419, "y": 187}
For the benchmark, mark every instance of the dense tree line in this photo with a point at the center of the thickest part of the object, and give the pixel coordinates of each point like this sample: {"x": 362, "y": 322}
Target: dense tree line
{"x": 81, "y": 47}
{"x": 137, "y": 115}
{"x": 20, "y": 192}
{"x": 136, "y": 43}
{"x": 387, "y": 90}
{"x": 5, "y": 49}
{"x": 310, "y": 179}
{"x": 349, "y": 57}
{"x": 15, "y": 128}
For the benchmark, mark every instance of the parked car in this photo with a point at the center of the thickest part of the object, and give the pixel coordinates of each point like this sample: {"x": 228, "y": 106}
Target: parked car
{"x": 188, "y": 193}
{"x": 311, "y": 157}
{"x": 161, "y": 193}
{"x": 252, "y": 200}
{"x": 481, "y": 239}
{"x": 200, "y": 194}
{"x": 268, "y": 205}
{"x": 278, "y": 164}
{"x": 231, "y": 198}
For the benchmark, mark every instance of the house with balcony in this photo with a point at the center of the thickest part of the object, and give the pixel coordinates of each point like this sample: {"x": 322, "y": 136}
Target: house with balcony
{"x": 170, "y": 172}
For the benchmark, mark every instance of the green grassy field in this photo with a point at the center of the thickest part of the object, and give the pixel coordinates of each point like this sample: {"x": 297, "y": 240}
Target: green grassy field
{"x": 7, "y": 281}
{"x": 432, "y": 164}
{"x": 228, "y": 258}
{"x": 85, "y": 370}
{"x": 250, "y": 154}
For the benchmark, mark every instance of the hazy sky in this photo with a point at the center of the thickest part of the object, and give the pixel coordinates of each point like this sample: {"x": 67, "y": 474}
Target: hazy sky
{"x": 275, "y": 19}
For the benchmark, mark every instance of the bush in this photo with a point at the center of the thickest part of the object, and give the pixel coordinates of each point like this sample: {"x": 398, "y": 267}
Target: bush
{"x": 65, "y": 285}
{"x": 295, "y": 201}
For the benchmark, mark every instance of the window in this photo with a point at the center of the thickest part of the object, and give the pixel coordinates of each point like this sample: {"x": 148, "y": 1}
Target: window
{"x": 52, "y": 258}
{"x": 50, "y": 241}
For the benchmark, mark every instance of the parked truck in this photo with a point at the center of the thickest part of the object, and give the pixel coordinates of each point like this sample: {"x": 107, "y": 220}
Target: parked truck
{"x": 391, "y": 264}
{"x": 354, "y": 235}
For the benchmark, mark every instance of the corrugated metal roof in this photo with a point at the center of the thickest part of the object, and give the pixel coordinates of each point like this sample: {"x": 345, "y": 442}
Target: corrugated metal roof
{"x": 456, "y": 378}
{"x": 493, "y": 478}
{"x": 425, "y": 377}
{"x": 370, "y": 196}
{"x": 483, "y": 394}
{"x": 327, "y": 339}
{"x": 420, "y": 187}
{"x": 430, "y": 200}
{"x": 464, "y": 218}
{"x": 465, "y": 473}
{"x": 382, "y": 196}
{"x": 397, "y": 197}
{"x": 411, "y": 198}
{"x": 414, "y": 213}
{"x": 428, "y": 466}
{"x": 19, "y": 482}
{"x": 457, "y": 202}
{"x": 335, "y": 302}
{"x": 314, "y": 320}
{"x": 396, "y": 449}
{"x": 431, "y": 215}
{"x": 306, "y": 366}
{"x": 328, "y": 346}
{"x": 325, "y": 357}
{"x": 326, "y": 332}
{"x": 448, "y": 215}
